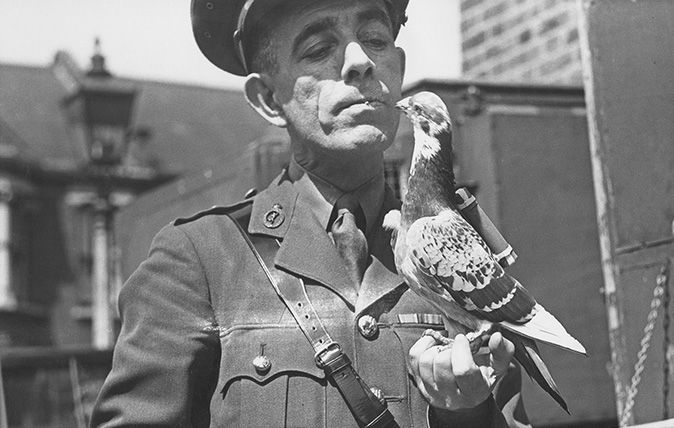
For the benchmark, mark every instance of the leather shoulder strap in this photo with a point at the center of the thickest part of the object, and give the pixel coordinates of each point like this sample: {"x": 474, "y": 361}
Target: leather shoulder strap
{"x": 368, "y": 410}
{"x": 236, "y": 210}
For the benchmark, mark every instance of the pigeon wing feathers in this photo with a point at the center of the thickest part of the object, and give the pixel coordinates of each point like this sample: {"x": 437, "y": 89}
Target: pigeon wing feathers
{"x": 431, "y": 290}
{"x": 448, "y": 249}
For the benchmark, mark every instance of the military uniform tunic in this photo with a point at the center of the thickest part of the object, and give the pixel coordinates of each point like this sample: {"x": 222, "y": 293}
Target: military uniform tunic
{"x": 199, "y": 311}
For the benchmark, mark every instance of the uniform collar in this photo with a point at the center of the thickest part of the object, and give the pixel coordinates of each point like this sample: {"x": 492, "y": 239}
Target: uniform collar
{"x": 321, "y": 195}
{"x": 281, "y": 211}
{"x": 381, "y": 278}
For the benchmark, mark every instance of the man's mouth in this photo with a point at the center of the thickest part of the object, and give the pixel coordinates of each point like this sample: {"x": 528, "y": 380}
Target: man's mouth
{"x": 366, "y": 102}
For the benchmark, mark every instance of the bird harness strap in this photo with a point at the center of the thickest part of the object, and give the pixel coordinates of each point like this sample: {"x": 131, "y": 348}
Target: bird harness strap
{"x": 368, "y": 410}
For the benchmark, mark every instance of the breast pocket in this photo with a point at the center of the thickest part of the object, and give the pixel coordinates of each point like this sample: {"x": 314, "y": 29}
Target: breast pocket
{"x": 407, "y": 327}
{"x": 268, "y": 377}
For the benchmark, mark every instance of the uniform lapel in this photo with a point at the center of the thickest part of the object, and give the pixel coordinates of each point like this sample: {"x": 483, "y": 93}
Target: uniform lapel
{"x": 381, "y": 277}
{"x": 305, "y": 247}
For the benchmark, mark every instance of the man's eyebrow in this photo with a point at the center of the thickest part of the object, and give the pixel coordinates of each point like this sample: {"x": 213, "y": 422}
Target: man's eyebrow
{"x": 375, "y": 14}
{"x": 311, "y": 29}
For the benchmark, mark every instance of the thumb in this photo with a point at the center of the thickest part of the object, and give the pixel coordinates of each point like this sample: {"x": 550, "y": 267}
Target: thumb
{"x": 502, "y": 351}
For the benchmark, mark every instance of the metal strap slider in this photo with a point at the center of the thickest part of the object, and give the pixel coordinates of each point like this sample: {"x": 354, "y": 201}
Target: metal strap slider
{"x": 327, "y": 355}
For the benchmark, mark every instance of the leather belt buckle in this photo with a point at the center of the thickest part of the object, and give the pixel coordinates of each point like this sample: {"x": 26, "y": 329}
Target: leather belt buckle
{"x": 328, "y": 354}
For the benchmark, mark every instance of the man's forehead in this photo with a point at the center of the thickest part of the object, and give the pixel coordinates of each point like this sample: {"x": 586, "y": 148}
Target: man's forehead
{"x": 301, "y": 16}
{"x": 318, "y": 23}
{"x": 370, "y": 12}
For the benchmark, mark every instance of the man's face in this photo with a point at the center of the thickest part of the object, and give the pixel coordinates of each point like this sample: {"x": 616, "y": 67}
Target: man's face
{"x": 339, "y": 76}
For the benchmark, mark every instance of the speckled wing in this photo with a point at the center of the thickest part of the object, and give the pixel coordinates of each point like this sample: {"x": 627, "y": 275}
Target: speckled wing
{"x": 446, "y": 248}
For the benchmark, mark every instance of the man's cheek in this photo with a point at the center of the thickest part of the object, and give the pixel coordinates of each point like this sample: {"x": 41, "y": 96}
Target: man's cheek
{"x": 305, "y": 89}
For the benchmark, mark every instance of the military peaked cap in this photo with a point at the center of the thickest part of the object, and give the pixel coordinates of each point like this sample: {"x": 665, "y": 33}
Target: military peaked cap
{"x": 219, "y": 27}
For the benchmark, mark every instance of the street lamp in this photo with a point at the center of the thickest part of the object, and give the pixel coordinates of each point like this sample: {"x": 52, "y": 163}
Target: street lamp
{"x": 100, "y": 108}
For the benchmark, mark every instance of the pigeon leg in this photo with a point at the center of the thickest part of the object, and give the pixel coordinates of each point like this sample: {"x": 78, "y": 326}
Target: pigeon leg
{"x": 435, "y": 334}
{"x": 481, "y": 334}
{"x": 475, "y": 338}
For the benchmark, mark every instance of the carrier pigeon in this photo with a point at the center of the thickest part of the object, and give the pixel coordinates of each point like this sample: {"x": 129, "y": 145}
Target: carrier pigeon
{"x": 446, "y": 262}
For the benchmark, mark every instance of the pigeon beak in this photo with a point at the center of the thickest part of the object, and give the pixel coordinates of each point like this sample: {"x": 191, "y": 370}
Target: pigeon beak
{"x": 403, "y": 104}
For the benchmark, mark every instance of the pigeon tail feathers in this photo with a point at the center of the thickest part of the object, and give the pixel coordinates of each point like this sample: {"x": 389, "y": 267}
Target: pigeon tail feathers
{"x": 527, "y": 354}
{"x": 546, "y": 328}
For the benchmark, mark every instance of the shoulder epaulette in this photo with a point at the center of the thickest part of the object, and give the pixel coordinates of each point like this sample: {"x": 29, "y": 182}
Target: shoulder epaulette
{"x": 215, "y": 210}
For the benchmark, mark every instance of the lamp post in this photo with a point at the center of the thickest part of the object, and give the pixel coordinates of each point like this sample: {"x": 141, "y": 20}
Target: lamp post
{"x": 100, "y": 109}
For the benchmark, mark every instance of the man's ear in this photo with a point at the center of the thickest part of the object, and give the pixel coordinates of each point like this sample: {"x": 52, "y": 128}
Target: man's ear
{"x": 403, "y": 61}
{"x": 260, "y": 96}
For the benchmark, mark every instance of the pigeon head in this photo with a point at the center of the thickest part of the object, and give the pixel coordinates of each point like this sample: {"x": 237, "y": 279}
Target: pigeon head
{"x": 427, "y": 111}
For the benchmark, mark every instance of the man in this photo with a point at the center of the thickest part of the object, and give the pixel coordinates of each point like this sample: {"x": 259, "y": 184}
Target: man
{"x": 207, "y": 340}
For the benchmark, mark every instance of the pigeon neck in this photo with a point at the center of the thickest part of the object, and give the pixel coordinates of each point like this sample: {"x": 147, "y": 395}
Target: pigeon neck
{"x": 431, "y": 184}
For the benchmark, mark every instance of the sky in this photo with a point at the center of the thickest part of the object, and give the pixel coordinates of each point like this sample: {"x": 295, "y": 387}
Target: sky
{"x": 152, "y": 39}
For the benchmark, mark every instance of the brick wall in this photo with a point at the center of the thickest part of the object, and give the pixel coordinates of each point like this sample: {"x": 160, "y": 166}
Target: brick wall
{"x": 521, "y": 41}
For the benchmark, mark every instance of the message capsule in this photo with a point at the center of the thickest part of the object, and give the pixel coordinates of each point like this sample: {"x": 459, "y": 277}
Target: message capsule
{"x": 473, "y": 213}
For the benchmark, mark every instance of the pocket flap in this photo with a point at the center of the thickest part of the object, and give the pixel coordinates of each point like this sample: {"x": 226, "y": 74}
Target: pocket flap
{"x": 284, "y": 347}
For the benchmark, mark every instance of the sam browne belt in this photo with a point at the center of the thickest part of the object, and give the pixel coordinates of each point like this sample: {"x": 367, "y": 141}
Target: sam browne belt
{"x": 368, "y": 410}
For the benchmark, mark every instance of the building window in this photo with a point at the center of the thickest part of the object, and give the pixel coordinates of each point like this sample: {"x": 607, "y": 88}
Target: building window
{"x": 80, "y": 206}
{"x": 8, "y": 298}
{"x": 22, "y": 225}
{"x": 94, "y": 254}
{"x": 15, "y": 245}
{"x": 83, "y": 225}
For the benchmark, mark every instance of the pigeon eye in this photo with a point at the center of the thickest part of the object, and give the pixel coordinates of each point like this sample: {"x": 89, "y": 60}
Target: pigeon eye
{"x": 417, "y": 108}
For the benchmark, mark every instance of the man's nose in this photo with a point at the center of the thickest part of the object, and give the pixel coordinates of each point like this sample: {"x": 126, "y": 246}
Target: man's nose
{"x": 357, "y": 64}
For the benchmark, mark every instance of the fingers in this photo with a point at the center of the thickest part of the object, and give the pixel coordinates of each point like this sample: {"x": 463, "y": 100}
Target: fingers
{"x": 448, "y": 376}
{"x": 417, "y": 350}
{"x": 443, "y": 374}
{"x": 427, "y": 368}
{"x": 467, "y": 374}
{"x": 502, "y": 351}
{"x": 500, "y": 347}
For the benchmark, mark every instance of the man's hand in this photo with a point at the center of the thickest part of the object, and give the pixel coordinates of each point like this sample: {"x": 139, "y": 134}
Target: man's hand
{"x": 450, "y": 378}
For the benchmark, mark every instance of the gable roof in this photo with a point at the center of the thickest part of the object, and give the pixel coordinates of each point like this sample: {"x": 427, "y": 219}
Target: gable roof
{"x": 190, "y": 126}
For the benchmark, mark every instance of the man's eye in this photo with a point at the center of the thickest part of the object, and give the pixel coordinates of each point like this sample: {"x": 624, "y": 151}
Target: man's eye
{"x": 376, "y": 43}
{"x": 317, "y": 52}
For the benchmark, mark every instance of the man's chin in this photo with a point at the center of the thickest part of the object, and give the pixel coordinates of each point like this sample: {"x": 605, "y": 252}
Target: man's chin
{"x": 364, "y": 137}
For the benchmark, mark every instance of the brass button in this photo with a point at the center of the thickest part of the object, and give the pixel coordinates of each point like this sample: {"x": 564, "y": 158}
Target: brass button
{"x": 367, "y": 326}
{"x": 274, "y": 217}
{"x": 262, "y": 364}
